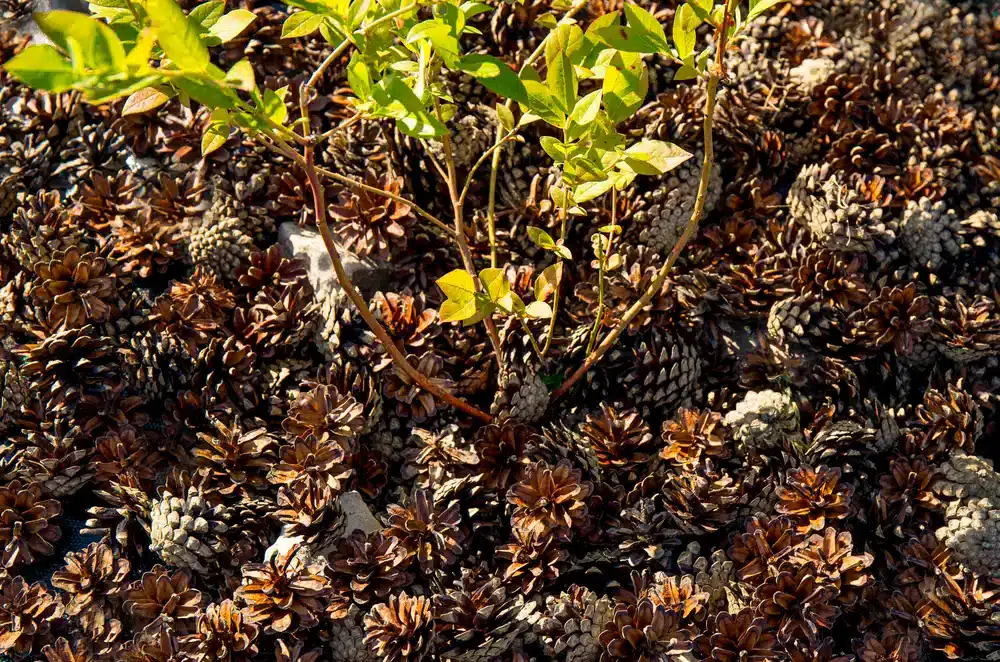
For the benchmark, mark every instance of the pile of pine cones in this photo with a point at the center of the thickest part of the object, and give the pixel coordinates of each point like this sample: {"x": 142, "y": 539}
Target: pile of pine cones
{"x": 785, "y": 457}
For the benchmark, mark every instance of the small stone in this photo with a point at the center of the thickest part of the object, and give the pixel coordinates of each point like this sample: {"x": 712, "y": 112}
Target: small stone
{"x": 368, "y": 275}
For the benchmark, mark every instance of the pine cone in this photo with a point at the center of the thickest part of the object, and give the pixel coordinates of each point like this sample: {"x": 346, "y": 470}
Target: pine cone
{"x": 431, "y": 534}
{"x": 74, "y": 289}
{"x": 947, "y": 422}
{"x": 27, "y": 614}
{"x": 664, "y": 375}
{"x": 502, "y": 451}
{"x": 401, "y": 630}
{"x": 764, "y": 422}
{"x": 370, "y": 224}
{"x": 220, "y": 245}
{"x": 94, "y": 579}
{"x": 26, "y": 529}
{"x": 970, "y": 488}
{"x": 531, "y": 560}
{"x": 311, "y": 511}
{"x": 550, "y": 501}
{"x": 411, "y": 400}
{"x": 905, "y": 494}
{"x": 811, "y": 497}
{"x": 223, "y": 634}
{"x": 479, "y": 620}
{"x": 794, "y": 604}
{"x": 187, "y": 530}
{"x": 521, "y": 395}
{"x": 40, "y": 227}
{"x": 760, "y": 551}
{"x": 835, "y": 565}
{"x": 164, "y": 598}
{"x": 325, "y": 411}
{"x": 370, "y": 566}
{"x": 897, "y": 316}
{"x": 311, "y": 461}
{"x": 57, "y": 460}
{"x": 225, "y": 372}
{"x": 931, "y": 234}
{"x": 572, "y": 623}
{"x": 736, "y": 637}
{"x": 966, "y": 329}
{"x": 666, "y": 210}
{"x": 693, "y": 435}
{"x": 620, "y": 440}
{"x": 235, "y": 458}
{"x": 643, "y": 631}
{"x": 285, "y": 594}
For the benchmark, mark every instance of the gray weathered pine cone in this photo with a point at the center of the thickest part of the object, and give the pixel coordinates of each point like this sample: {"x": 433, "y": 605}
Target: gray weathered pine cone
{"x": 571, "y": 624}
{"x": 764, "y": 421}
{"x": 970, "y": 488}
{"x": 666, "y": 209}
{"x": 521, "y": 395}
{"x": 187, "y": 531}
{"x": 931, "y": 233}
{"x": 664, "y": 374}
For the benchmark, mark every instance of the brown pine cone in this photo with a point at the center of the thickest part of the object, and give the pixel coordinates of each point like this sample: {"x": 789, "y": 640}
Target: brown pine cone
{"x": 794, "y": 604}
{"x": 234, "y": 458}
{"x": 741, "y": 636}
{"x": 620, "y": 440}
{"x": 402, "y": 629}
{"x": 74, "y": 289}
{"x": 370, "y": 566}
{"x": 26, "y": 529}
{"x": 324, "y": 410}
{"x": 312, "y": 461}
{"x": 692, "y": 435}
{"x": 479, "y": 620}
{"x": 766, "y": 543}
{"x": 94, "y": 579}
{"x": 431, "y": 534}
{"x": 223, "y": 634}
{"x": 165, "y": 598}
{"x": 285, "y": 594}
{"x": 550, "y": 501}
{"x": 812, "y": 497}
{"x": 830, "y": 553}
{"x": 643, "y": 631}
{"x": 370, "y": 224}
{"x": 26, "y": 615}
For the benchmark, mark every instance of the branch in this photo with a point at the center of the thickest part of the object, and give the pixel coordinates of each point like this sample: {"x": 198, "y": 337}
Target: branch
{"x": 654, "y": 287}
{"x": 352, "y": 293}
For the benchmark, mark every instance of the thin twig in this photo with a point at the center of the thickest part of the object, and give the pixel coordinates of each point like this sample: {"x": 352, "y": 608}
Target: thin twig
{"x": 350, "y": 181}
{"x": 689, "y": 230}
{"x": 463, "y": 245}
{"x": 398, "y": 358}
{"x": 479, "y": 162}
{"x": 559, "y": 278}
{"x": 346, "y": 124}
{"x": 602, "y": 267}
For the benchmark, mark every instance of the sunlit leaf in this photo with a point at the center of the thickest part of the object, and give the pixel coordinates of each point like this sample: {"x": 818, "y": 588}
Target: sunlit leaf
{"x": 144, "y": 101}
{"x": 42, "y": 67}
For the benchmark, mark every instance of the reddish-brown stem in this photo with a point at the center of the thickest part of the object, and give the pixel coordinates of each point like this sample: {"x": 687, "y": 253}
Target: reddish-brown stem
{"x": 366, "y": 314}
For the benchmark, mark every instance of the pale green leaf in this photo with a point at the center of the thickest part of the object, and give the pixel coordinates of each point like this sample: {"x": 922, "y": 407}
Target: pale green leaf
{"x": 563, "y": 252}
{"x": 457, "y": 285}
{"x": 274, "y": 105}
{"x": 458, "y": 311}
{"x": 178, "y": 36}
{"x": 100, "y": 48}
{"x": 541, "y": 238}
{"x": 359, "y": 77}
{"x": 505, "y": 116}
{"x": 357, "y": 12}
{"x": 495, "y": 75}
{"x": 42, "y": 67}
{"x": 207, "y": 13}
{"x": 300, "y": 24}
{"x": 686, "y": 72}
{"x": 542, "y": 103}
{"x": 232, "y": 25}
{"x": 761, "y": 6}
{"x": 545, "y": 284}
{"x": 646, "y": 24}
{"x": 241, "y": 76}
{"x": 586, "y": 109}
{"x": 625, "y": 86}
{"x": 590, "y": 190}
{"x": 538, "y": 310}
{"x": 495, "y": 283}
{"x": 655, "y": 157}
{"x": 561, "y": 81}
{"x": 144, "y": 101}
{"x": 683, "y": 30}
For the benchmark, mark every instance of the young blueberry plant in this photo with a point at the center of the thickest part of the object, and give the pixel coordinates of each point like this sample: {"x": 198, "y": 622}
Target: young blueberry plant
{"x": 150, "y": 51}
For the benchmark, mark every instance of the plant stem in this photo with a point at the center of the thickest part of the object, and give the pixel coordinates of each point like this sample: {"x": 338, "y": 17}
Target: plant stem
{"x": 564, "y": 216}
{"x": 689, "y": 230}
{"x": 350, "y": 181}
{"x": 398, "y": 359}
{"x": 601, "y": 267}
{"x": 491, "y": 206}
{"x": 479, "y": 162}
{"x": 463, "y": 245}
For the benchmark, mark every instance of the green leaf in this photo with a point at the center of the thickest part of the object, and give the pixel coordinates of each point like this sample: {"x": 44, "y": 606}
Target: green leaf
{"x": 300, "y": 24}
{"x": 685, "y": 24}
{"x": 359, "y": 78}
{"x": 495, "y": 283}
{"x": 178, "y": 36}
{"x": 561, "y": 81}
{"x": 421, "y": 125}
{"x": 232, "y": 24}
{"x": 586, "y": 109}
{"x": 484, "y": 308}
{"x": 471, "y": 9}
{"x": 457, "y": 285}
{"x": 505, "y": 116}
{"x": 241, "y": 76}
{"x": 760, "y": 6}
{"x": 686, "y": 72}
{"x": 646, "y": 25}
{"x": 541, "y": 238}
{"x": 216, "y": 133}
{"x": 590, "y": 190}
{"x": 207, "y": 13}
{"x": 330, "y": 32}
{"x": 565, "y": 39}
{"x": 274, "y": 105}
{"x": 495, "y": 75}
{"x": 542, "y": 103}
{"x": 655, "y": 157}
{"x": 563, "y": 252}
{"x": 144, "y": 101}
{"x": 458, "y": 311}
{"x": 356, "y": 13}
{"x": 553, "y": 147}
{"x": 547, "y": 20}
{"x": 42, "y": 67}
{"x": 99, "y": 46}
{"x": 205, "y": 91}
{"x": 545, "y": 284}
{"x": 625, "y": 86}
{"x": 538, "y": 310}
{"x": 440, "y": 34}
